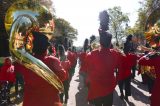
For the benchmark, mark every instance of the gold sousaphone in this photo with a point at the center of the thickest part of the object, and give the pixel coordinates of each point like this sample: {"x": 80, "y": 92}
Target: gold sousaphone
{"x": 22, "y": 18}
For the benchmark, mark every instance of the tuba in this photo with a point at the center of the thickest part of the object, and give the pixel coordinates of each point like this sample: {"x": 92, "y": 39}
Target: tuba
{"x": 21, "y": 19}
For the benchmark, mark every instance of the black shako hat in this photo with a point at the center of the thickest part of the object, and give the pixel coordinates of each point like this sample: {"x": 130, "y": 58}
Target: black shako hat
{"x": 105, "y": 39}
{"x": 40, "y": 43}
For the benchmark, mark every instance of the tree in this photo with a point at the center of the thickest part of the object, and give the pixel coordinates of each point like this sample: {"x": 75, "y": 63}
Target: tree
{"x": 147, "y": 7}
{"x": 63, "y": 28}
{"x": 118, "y": 21}
{"x": 92, "y": 38}
{"x": 48, "y": 4}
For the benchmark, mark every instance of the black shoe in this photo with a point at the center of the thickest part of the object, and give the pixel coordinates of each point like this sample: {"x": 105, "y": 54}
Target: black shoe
{"x": 133, "y": 77}
{"x": 126, "y": 98}
{"x": 10, "y": 102}
{"x": 143, "y": 83}
{"x": 66, "y": 100}
{"x": 149, "y": 97}
{"x": 122, "y": 96}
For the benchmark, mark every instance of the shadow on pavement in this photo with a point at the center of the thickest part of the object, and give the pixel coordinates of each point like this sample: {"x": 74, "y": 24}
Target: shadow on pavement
{"x": 139, "y": 96}
{"x": 81, "y": 97}
{"x": 119, "y": 102}
{"x": 130, "y": 103}
{"x": 77, "y": 80}
{"x": 140, "y": 85}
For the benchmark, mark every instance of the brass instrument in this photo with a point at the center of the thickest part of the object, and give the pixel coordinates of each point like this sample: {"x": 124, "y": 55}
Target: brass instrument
{"x": 143, "y": 48}
{"x": 152, "y": 35}
{"x": 152, "y": 27}
{"x": 22, "y": 18}
{"x": 148, "y": 70}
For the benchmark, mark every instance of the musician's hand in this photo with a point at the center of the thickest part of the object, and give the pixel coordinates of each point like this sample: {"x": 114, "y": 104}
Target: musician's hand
{"x": 143, "y": 48}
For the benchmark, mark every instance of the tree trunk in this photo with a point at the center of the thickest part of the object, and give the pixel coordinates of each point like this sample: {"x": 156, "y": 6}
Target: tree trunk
{"x": 117, "y": 42}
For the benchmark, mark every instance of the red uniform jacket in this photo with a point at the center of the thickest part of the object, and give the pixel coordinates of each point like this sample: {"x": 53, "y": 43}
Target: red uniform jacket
{"x": 82, "y": 57}
{"x": 155, "y": 99}
{"x": 129, "y": 61}
{"x": 54, "y": 51}
{"x": 7, "y": 73}
{"x": 67, "y": 66}
{"x": 38, "y": 92}
{"x": 75, "y": 57}
{"x": 100, "y": 65}
{"x": 139, "y": 70}
{"x": 72, "y": 58}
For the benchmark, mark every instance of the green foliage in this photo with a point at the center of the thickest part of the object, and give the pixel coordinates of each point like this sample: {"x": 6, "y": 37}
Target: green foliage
{"x": 143, "y": 12}
{"x": 118, "y": 22}
{"x": 63, "y": 28}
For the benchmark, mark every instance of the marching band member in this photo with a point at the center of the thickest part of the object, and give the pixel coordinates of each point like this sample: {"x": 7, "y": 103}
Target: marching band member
{"x": 38, "y": 92}
{"x": 67, "y": 66}
{"x": 71, "y": 55}
{"x": 125, "y": 75}
{"x": 52, "y": 50}
{"x": 82, "y": 57}
{"x": 100, "y": 65}
{"x": 150, "y": 62}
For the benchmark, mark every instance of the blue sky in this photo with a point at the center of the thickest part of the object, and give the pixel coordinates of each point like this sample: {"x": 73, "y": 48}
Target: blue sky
{"x": 83, "y": 14}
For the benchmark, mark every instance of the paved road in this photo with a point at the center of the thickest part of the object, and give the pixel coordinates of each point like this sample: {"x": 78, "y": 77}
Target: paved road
{"x": 77, "y": 97}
